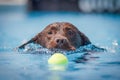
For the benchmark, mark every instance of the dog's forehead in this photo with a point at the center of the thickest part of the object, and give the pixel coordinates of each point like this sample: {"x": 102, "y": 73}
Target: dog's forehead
{"x": 61, "y": 25}
{"x": 55, "y": 24}
{"x": 52, "y": 26}
{"x": 68, "y": 25}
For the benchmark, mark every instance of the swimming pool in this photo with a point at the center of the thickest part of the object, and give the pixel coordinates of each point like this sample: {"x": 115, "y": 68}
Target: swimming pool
{"x": 17, "y": 26}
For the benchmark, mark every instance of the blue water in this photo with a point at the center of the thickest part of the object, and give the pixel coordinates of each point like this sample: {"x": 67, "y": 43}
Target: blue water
{"x": 18, "y": 26}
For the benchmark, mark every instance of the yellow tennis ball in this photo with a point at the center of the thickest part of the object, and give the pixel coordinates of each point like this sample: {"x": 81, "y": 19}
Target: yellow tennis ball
{"x": 58, "y": 59}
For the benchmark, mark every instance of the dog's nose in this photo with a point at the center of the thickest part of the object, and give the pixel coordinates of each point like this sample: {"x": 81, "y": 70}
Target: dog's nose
{"x": 61, "y": 41}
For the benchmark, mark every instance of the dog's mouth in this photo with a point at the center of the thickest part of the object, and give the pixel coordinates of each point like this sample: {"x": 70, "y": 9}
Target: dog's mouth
{"x": 65, "y": 46}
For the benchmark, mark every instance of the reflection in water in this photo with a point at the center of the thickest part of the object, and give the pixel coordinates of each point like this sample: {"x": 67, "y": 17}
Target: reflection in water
{"x": 58, "y": 67}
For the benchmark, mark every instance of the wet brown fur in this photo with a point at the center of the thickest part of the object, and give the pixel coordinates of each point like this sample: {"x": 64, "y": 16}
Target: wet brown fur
{"x": 62, "y": 35}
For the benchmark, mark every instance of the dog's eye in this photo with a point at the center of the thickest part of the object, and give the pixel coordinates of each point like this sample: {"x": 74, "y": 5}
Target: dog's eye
{"x": 70, "y": 32}
{"x": 50, "y": 32}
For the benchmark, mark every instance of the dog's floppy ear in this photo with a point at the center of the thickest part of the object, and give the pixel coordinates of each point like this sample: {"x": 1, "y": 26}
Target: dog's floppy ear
{"x": 84, "y": 39}
{"x": 23, "y": 45}
{"x": 37, "y": 39}
{"x": 40, "y": 39}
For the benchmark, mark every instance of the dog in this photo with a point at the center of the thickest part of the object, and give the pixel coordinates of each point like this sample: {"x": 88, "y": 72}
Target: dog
{"x": 60, "y": 35}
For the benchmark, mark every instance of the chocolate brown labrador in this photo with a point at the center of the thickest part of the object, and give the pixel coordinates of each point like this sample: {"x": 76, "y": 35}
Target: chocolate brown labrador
{"x": 60, "y": 35}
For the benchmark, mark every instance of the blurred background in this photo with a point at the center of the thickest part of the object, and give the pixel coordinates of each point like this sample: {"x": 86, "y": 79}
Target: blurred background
{"x": 112, "y": 6}
{"x": 20, "y": 20}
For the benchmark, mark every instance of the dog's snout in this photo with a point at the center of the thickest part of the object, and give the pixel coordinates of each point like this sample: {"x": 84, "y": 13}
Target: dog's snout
{"x": 61, "y": 41}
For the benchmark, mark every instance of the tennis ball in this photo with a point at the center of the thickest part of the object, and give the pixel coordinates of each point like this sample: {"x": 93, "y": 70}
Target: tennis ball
{"x": 58, "y": 59}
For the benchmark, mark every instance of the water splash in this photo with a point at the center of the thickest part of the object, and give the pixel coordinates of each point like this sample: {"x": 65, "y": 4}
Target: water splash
{"x": 114, "y": 47}
{"x": 37, "y": 49}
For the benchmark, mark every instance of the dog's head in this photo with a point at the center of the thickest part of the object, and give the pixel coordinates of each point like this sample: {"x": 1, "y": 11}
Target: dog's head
{"x": 62, "y": 35}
